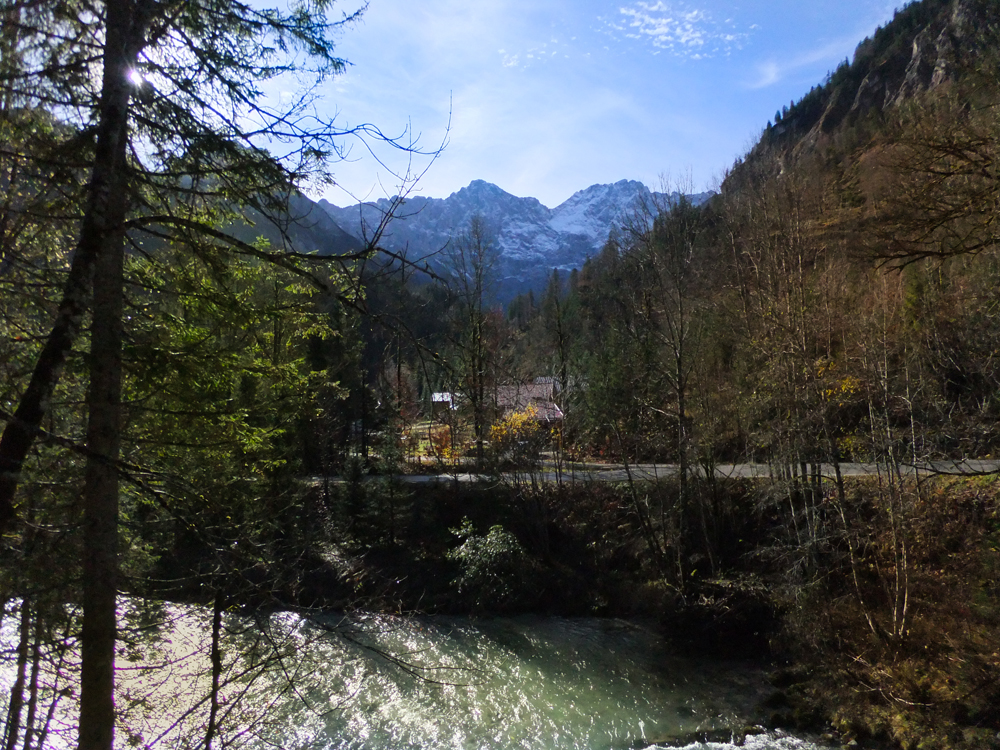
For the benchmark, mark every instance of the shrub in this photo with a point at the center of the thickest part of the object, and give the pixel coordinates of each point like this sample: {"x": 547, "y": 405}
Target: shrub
{"x": 494, "y": 567}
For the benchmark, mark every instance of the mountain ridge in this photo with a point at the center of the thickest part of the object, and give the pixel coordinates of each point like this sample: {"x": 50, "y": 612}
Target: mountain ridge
{"x": 531, "y": 239}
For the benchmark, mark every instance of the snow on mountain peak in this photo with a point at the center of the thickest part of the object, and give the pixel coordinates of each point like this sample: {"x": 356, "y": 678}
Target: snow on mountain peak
{"x": 531, "y": 239}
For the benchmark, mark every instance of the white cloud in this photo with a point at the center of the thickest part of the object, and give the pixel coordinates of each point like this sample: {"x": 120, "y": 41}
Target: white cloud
{"x": 682, "y": 31}
{"x": 769, "y": 72}
{"x": 537, "y": 53}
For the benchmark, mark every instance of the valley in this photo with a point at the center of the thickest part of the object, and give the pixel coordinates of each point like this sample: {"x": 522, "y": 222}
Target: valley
{"x": 252, "y": 424}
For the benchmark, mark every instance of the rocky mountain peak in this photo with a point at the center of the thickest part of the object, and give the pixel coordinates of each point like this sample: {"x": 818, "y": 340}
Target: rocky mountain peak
{"x": 531, "y": 239}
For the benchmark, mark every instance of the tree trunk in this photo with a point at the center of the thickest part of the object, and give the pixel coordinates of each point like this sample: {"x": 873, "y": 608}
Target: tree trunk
{"x": 100, "y": 499}
{"x": 36, "y": 663}
{"x": 57, "y": 691}
{"x": 125, "y": 32}
{"x": 213, "y": 712}
{"x": 17, "y": 691}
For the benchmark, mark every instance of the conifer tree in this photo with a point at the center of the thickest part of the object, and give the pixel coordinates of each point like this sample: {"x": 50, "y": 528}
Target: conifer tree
{"x": 161, "y": 104}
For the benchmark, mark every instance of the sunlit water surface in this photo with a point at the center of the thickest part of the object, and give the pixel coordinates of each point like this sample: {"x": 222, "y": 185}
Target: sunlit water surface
{"x": 393, "y": 683}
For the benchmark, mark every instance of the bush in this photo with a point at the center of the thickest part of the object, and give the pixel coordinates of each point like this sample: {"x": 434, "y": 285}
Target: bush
{"x": 517, "y": 439}
{"x": 494, "y": 568}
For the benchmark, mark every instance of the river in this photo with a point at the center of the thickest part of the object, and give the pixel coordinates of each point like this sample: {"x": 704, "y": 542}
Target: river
{"x": 364, "y": 682}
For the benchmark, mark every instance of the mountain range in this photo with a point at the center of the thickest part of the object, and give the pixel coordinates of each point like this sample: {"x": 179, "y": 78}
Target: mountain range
{"x": 530, "y": 238}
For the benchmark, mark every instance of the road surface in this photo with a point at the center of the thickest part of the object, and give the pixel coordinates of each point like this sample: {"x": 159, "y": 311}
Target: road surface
{"x": 580, "y": 472}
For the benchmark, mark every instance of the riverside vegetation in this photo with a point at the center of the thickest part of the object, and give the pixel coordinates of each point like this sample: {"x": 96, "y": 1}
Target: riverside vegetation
{"x": 170, "y": 390}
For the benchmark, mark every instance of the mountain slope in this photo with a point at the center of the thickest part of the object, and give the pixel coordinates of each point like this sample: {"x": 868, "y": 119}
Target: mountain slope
{"x": 306, "y": 228}
{"x": 927, "y": 44}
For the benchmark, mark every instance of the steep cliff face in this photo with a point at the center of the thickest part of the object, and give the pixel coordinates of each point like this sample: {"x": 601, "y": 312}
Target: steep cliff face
{"x": 938, "y": 53}
{"x": 927, "y": 44}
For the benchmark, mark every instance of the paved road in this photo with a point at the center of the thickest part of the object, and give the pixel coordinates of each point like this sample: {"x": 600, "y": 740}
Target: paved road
{"x": 650, "y": 472}
{"x": 751, "y": 471}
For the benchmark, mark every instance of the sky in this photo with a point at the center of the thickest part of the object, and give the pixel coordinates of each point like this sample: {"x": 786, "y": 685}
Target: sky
{"x": 547, "y": 97}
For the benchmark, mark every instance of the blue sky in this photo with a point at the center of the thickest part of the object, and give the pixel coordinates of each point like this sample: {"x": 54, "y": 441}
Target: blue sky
{"x": 547, "y": 97}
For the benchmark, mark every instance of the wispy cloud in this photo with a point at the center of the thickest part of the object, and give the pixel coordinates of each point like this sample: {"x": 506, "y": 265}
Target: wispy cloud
{"x": 508, "y": 60}
{"x": 534, "y": 54}
{"x": 677, "y": 29}
{"x": 775, "y": 69}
